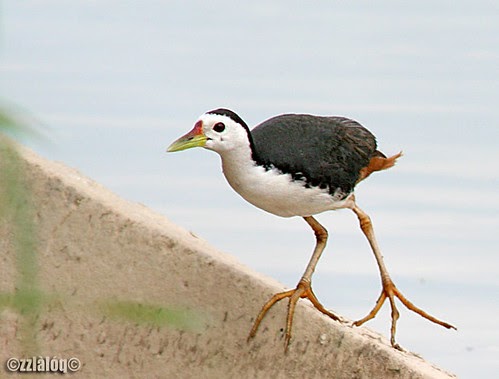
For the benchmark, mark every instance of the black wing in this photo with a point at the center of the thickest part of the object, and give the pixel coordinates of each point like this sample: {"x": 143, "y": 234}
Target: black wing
{"x": 327, "y": 152}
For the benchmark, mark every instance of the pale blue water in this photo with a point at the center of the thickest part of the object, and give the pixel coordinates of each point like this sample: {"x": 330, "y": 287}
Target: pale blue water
{"x": 114, "y": 82}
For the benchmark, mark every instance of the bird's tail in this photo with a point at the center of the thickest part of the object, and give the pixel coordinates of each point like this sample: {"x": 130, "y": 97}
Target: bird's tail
{"x": 378, "y": 162}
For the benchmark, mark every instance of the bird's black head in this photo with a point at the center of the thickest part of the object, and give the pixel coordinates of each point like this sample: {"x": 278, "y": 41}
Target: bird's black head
{"x": 228, "y": 113}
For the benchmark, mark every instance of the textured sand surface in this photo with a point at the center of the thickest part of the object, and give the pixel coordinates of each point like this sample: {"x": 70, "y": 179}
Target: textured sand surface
{"x": 95, "y": 247}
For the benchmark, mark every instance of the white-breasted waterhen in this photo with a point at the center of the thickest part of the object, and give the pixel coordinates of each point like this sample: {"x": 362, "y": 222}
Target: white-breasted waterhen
{"x": 300, "y": 165}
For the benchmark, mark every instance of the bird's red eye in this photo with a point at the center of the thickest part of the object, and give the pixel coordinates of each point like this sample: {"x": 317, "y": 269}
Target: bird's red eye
{"x": 219, "y": 127}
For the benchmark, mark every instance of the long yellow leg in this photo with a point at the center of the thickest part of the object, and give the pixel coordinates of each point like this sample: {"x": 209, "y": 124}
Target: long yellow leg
{"x": 389, "y": 289}
{"x": 302, "y": 290}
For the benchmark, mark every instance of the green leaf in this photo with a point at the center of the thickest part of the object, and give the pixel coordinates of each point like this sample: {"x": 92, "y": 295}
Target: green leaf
{"x": 150, "y": 314}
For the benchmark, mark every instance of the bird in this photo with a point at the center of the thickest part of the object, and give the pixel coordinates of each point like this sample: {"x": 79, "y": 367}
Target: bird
{"x": 300, "y": 165}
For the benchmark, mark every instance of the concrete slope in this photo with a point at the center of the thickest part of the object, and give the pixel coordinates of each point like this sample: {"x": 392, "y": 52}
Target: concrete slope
{"x": 95, "y": 249}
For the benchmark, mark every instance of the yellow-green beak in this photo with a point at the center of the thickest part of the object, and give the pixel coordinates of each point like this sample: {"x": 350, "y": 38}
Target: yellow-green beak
{"x": 195, "y": 138}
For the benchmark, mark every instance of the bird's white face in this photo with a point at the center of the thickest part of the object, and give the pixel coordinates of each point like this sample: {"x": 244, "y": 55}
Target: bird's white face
{"x": 214, "y": 132}
{"x": 222, "y": 133}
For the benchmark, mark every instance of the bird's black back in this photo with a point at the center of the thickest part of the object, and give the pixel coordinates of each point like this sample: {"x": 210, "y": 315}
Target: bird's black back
{"x": 327, "y": 152}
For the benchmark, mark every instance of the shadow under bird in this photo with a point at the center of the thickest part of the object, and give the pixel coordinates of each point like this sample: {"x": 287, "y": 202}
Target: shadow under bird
{"x": 301, "y": 165}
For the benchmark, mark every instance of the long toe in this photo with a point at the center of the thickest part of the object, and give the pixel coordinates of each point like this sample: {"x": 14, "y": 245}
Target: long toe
{"x": 390, "y": 292}
{"x": 302, "y": 290}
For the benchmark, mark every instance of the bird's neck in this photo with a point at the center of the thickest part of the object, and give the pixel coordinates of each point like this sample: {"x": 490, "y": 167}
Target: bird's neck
{"x": 237, "y": 164}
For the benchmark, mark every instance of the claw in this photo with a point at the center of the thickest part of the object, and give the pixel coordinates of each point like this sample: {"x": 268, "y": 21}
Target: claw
{"x": 390, "y": 291}
{"x": 302, "y": 290}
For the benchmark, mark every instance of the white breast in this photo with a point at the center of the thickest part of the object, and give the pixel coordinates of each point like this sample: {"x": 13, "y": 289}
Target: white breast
{"x": 275, "y": 192}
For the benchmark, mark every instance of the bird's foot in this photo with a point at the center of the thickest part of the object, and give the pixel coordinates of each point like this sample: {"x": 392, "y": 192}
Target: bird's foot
{"x": 302, "y": 290}
{"x": 390, "y": 291}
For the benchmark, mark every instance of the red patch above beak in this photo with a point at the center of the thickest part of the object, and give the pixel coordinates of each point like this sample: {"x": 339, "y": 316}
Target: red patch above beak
{"x": 198, "y": 128}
